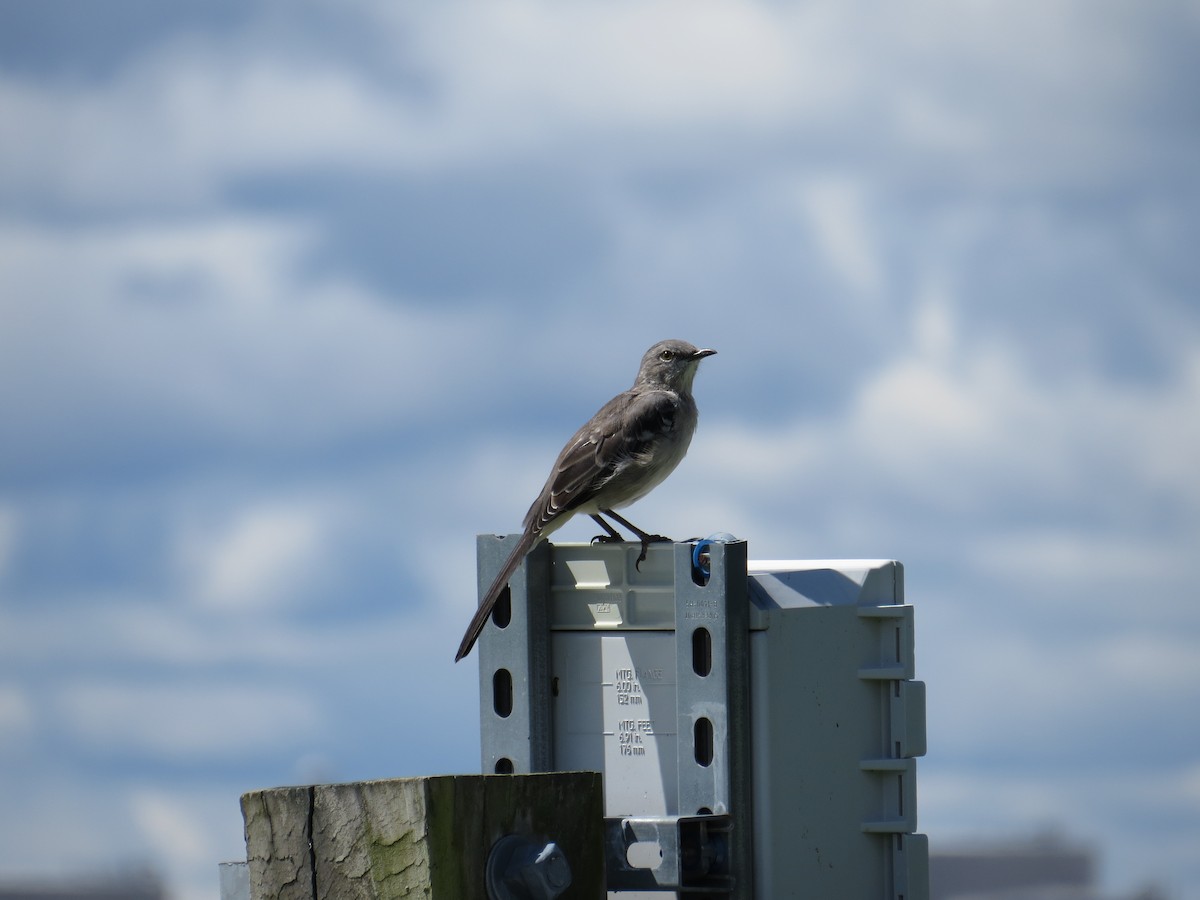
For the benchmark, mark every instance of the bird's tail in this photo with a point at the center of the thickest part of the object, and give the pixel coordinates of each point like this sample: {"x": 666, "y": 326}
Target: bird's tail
{"x": 524, "y": 545}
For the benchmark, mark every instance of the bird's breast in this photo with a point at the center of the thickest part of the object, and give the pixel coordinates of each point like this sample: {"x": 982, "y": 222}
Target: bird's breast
{"x": 642, "y": 472}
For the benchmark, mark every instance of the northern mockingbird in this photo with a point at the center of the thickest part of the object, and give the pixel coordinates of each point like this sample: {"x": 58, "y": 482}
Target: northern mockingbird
{"x": 621, "y": 454}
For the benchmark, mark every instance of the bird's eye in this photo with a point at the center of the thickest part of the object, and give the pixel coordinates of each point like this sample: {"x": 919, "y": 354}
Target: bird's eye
{"x": 667, "y": 355}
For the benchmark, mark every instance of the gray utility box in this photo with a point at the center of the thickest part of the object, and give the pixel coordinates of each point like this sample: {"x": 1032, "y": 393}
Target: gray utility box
{"x": 757, "y": 723}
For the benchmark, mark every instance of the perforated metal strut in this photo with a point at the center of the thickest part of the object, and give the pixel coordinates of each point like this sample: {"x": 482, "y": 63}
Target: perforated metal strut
{"x": 705, "y": 841}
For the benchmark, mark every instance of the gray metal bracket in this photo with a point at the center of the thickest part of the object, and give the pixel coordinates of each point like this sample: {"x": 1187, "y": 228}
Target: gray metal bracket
{"x": 706, "y": 846}
{"x": 712, "y": 676}
{"x": 515, "y": 712}
{"x": 695, "y": 854}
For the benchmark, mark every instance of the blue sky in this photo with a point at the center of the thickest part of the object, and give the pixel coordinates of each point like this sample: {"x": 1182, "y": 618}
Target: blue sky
{"x": 296, "y": 298}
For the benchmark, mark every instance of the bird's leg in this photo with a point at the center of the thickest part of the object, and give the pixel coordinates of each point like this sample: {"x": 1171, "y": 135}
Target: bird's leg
{"x": 613, "y": 536}
{"x": 646, "y": 539}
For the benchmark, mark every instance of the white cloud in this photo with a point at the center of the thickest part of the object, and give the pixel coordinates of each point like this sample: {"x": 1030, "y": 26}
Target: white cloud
{"x": 189, "y": 831}
{"x": 1074, "y": 556}
{"x": 117, "y": 830}
{"x": 1049, "y": 687}
{"x": 186, "y": 721}
{"x": 548, "y": 70}
{"x": 959, "y": 422}
{"x": 16, "y": 713}
{"x": 260, "y": 559}
{"x": 8, "y": 536}
{"x": 170, "y": 129}
{"x": 169, "y": 825}
{"x": 836, "y": 208}
{"x": 1003, "y": 93}
{"x": 1015, "y": 802}
{"x": 258, "y": 352}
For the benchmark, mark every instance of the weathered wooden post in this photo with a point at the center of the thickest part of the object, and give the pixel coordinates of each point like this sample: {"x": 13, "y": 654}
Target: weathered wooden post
{"x": 439, "y": 838}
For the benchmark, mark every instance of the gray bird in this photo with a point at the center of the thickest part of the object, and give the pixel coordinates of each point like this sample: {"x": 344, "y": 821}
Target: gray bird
{"x": 621, "y": 454}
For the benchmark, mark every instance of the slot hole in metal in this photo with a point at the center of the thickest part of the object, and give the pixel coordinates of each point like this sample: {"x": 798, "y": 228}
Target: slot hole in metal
{"x": 701, "y": 652}
{"x": 502, "y": 693}
{"x": 703, "y": 742}
{"x": 502, "y": 611}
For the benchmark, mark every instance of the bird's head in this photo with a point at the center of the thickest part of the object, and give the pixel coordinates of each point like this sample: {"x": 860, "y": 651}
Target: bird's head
{"x": 671, "y": 364}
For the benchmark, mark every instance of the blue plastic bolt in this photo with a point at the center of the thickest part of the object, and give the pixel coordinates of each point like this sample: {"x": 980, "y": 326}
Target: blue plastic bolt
{"x": 700, "y": 558}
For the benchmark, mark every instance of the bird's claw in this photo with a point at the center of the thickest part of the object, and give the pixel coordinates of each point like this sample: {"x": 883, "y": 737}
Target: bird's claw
{"x": 647, "y": 540}
{"x": 606, "y": 539}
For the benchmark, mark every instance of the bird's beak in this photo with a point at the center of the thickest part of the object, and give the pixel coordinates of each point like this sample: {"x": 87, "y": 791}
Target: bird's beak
{"x": 700, "y": 354}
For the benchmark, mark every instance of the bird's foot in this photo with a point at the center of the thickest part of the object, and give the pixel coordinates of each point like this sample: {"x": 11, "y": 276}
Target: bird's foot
{"x": 647, "y": 540}
{"x": 608, "y": 539}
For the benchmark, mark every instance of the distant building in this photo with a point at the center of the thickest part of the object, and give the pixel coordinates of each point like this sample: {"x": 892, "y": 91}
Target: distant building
{"x": 140, "y": 885}
{"x": 1041, "y": 868}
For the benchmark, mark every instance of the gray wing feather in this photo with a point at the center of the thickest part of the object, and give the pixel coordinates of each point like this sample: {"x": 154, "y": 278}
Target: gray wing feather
{"x": 617, "y": 436}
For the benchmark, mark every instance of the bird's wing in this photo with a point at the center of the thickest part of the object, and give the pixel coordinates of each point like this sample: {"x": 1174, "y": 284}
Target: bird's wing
{"x": 624, "y": 429}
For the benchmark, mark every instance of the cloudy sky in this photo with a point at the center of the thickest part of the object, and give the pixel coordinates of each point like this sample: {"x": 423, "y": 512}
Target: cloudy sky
{"x": 295, "y": 298}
